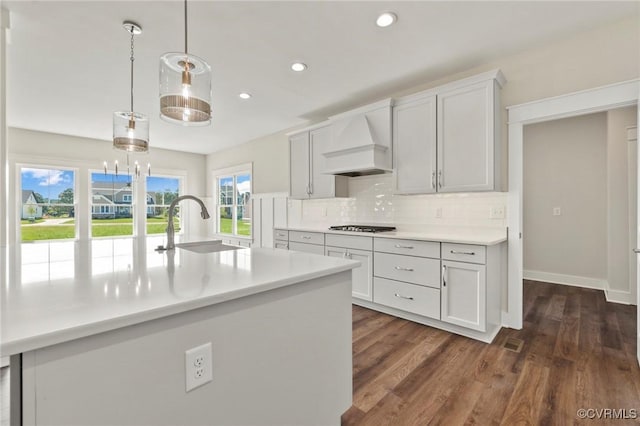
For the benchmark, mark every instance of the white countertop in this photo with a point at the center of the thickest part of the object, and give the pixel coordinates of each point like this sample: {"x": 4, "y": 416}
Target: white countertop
{"x": 61, "y": 291}
{"x": 449, "y": 234}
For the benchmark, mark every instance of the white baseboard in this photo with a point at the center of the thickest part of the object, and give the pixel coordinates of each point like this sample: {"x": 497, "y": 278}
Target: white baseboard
{"x": 572, "y": 280}
{"x": 618, "y": 296}
{"x": 613, "y": 296}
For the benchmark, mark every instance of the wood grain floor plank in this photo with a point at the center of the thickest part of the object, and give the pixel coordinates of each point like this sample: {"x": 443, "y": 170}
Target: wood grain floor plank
{"x": 525, "y": 405}
{"x": 579, "y": 351}
{"x": 365, "y": 397}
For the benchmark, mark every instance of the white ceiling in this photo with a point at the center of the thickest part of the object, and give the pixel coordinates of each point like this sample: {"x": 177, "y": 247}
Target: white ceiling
{"x": 68, "y": 62}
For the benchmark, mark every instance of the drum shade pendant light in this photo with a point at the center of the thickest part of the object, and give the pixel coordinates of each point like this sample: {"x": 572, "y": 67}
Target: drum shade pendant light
{"x": 131, "y": 129}
{"x": 185, "y": 86}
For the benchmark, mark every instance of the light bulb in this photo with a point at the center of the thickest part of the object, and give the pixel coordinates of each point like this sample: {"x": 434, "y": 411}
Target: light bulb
{"x": 130, "y": 133}
{"x": 186, "y": 90}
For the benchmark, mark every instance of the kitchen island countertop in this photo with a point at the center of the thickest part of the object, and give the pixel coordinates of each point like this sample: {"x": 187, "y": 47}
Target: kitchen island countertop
{"x": 57, "y": 292}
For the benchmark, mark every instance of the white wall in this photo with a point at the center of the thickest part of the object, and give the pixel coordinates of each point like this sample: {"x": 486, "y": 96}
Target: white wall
{"x": 565, "y": 166}
{"x": 270, "y": 157}
{"x": 371, "y": 201}
{"x": 621, "y": 223}
{"x": 31, "y": 147}
{"x": 593, "y": 58}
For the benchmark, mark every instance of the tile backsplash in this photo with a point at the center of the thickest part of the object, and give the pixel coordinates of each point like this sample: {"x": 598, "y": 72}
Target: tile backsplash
{"x": 371, "y": 201}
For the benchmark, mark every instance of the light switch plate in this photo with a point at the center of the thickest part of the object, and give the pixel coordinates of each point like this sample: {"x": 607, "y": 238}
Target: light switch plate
{"x": 198, "y": 366}
{"x": 557, "y": 211}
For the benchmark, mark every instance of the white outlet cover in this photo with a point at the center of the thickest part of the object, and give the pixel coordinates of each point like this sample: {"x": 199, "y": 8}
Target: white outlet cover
{"x": 198, "y": 366}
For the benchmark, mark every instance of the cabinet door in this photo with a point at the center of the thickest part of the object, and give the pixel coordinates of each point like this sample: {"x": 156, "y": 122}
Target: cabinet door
{"x": 306, "y": 248}
{"x": 466, "y": 138}
{"x": 414, "y": 146}
{"x": 299, "y": 165}
{"x": 322, "y": 186}
{"x": 362, "y": 281}
{"x": 464, "y": 294}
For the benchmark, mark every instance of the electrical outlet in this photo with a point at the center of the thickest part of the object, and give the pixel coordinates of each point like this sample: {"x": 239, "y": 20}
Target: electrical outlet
{"x": 496, "y": 212}
{"x": 557, "y": 211}
{"x": 438, "y": 212}
{"x": 198, "y": 366}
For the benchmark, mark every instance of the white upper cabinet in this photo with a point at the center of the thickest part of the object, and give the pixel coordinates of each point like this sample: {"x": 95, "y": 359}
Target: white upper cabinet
{"x": 414, "y": 146}
{"x": 466, "y": 138}
{"x": 299, "y": 165}
{"x": 307, "y": 166}
{"x": 322, "y": 185}
{"x": 447, "y": 139}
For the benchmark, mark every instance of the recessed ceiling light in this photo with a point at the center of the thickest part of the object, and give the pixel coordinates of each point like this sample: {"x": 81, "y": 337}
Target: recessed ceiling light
{"x": 298, "y": 66}
{"x": 386, "y": 19}
{"x": 244, "y": 95}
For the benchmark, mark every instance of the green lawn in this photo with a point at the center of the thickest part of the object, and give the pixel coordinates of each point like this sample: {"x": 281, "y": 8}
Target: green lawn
{"x": 53, "y": 232}
{"x": 226, "y": 227}
{"x": 27, "y": 221}
{"x": 99, "y": 228}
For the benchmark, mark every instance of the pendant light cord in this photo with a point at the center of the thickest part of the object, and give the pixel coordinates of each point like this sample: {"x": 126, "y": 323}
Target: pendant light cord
{"x": 185, "y": 27}
{"x": 132, "y": 59}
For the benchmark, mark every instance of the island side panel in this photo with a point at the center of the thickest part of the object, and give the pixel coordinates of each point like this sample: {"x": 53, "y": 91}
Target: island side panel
{"x": 279, "y": 357}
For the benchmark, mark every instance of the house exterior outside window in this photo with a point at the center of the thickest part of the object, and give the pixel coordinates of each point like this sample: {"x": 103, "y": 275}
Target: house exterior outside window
{"x": 233, "y": 201}
{"x": 47, "y": 204}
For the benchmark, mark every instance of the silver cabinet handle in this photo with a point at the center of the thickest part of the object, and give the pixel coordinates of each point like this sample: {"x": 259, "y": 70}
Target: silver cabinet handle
{"x": 444, "y": 274}
{"x": 346, "y": 255}
{"x": 403, "y": 297}
{"x": 469, "y": 253}
{"x": 305, "y": 237}
{"x": 400, "y": 268}
{"x": 433, "y": 179}
{"x": 403, "y": 247}
{"x": 440, "y": 178}
{"x": 636, "y": 250}
{"x": 281, "y": 235}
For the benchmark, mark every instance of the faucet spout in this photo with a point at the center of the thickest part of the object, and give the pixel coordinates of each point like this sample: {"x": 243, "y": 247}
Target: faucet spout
{"x": 204, "y": 213}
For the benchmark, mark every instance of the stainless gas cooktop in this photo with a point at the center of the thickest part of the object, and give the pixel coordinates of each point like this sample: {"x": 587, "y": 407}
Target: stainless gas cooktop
{"x": 362, "y": 228}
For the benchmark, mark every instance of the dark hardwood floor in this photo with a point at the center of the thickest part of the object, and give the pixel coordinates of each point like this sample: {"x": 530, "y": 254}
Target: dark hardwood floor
{"x": 579, "y": 352}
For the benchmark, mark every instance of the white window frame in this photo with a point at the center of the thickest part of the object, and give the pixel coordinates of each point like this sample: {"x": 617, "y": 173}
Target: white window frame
{"x": 234, "y": 171}
{"x": 112, "y": 209}
{"x": 44, "y": 165}
{"x": 181, "y": 191}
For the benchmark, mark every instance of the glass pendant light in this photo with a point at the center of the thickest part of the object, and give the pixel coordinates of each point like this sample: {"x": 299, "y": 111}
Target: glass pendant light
{"x": 185, "y": 86}
{"x": 131, "y": 129}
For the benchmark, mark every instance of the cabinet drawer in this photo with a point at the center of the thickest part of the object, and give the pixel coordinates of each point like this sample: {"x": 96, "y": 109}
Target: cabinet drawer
{"x": 281, "y": 235}
{"x": 281, "y": 245}
{"x": 408, "y": 247}
{"x": 416, "y": 270}
{"x": 307, "y": 237}
{"x": 464, "y": 253}
{"x": 307, "y": 248}
{"x": 348, "y": 241}
{"x": 417, "y": 299}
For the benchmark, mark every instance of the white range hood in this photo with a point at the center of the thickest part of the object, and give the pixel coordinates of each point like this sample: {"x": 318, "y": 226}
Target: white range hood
{"x": 361, "y": 141}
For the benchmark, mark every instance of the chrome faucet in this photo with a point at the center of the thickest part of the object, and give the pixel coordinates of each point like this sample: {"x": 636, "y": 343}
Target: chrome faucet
{"x": 170, "y": 229}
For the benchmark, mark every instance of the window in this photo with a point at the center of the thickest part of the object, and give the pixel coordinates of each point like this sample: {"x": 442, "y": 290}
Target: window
{"x": 234, "y": 202}
{"x": 47, "y": 207}
{"x": 112, "y": 200}
{"x": 161, "y": 191}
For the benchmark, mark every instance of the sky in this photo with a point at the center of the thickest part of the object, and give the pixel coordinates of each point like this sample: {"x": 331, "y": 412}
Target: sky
{"x": 48, "y": 183}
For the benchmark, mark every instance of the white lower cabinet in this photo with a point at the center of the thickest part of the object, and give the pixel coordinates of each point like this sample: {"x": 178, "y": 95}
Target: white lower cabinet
{"x": 362, "y": 275}
{"x": 452, "y": 286}
{"x": 408, "y": 297}
{"x": 464, "y": 292}
{"x": 358, "y": 248}
{"x": 306, "y": 248}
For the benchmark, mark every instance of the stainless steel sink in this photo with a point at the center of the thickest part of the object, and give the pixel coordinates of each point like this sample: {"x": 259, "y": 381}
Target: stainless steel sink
{"x": 206, "y": 246}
